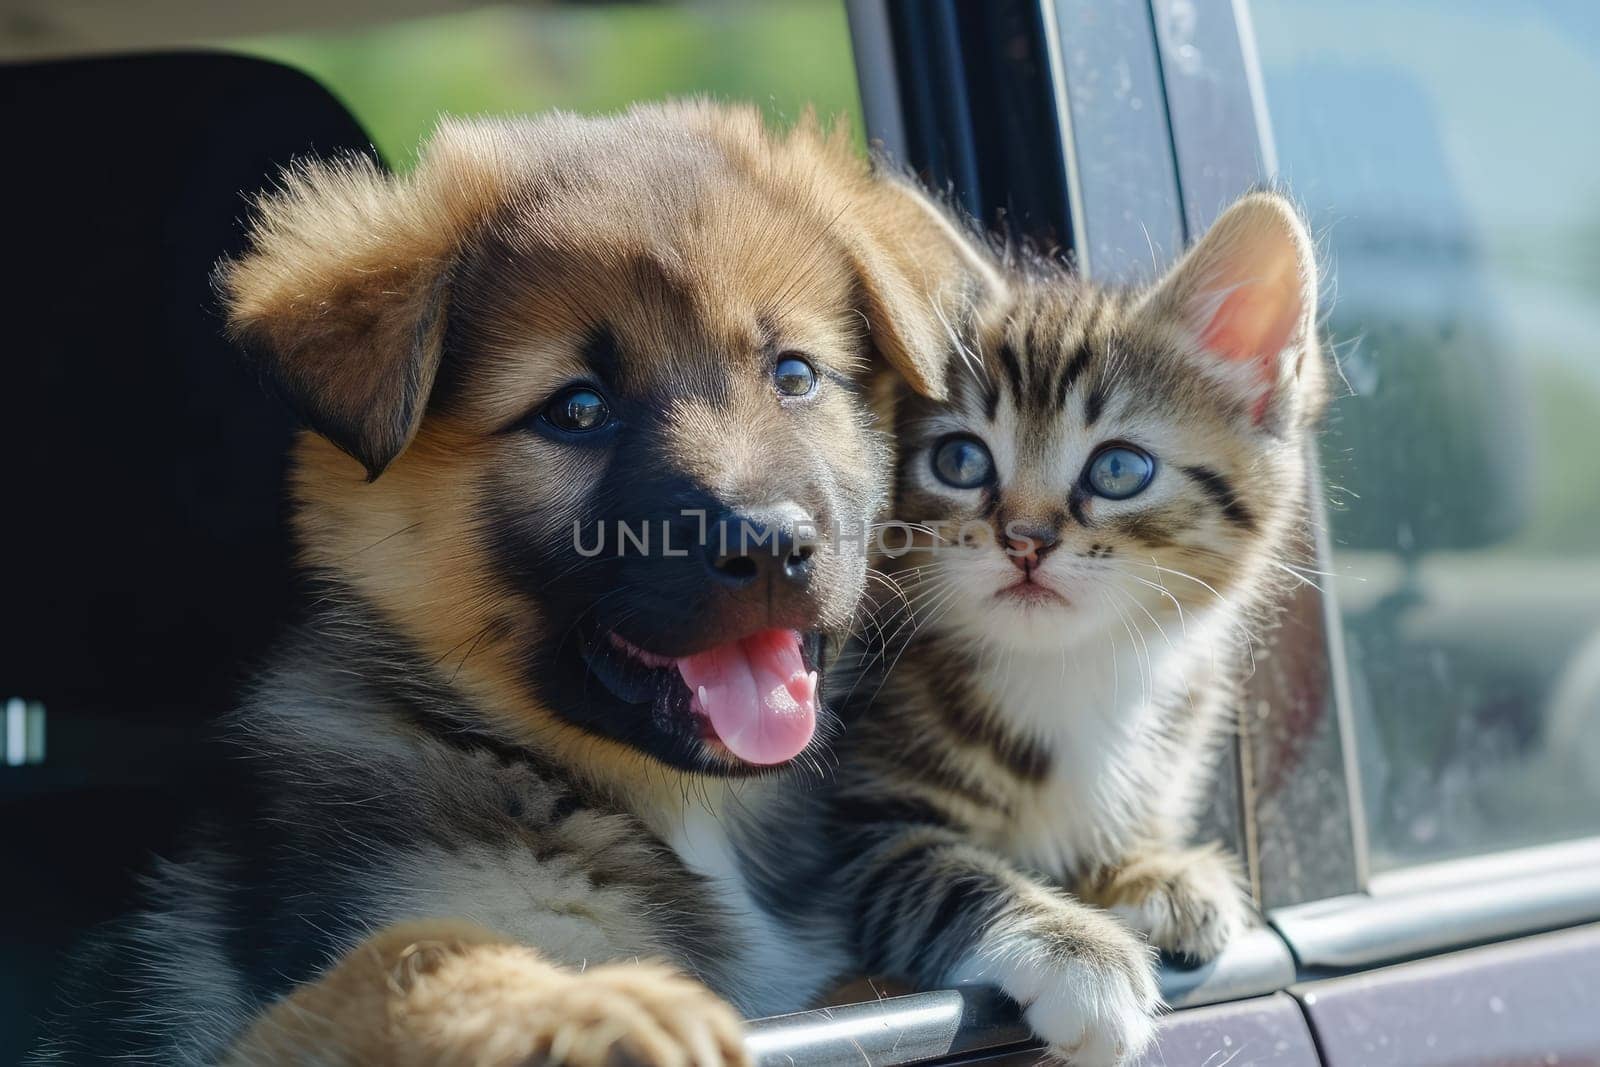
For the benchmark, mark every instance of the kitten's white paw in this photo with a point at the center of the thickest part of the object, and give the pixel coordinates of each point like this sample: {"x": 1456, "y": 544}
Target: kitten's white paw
{"x": 1094, "y": 1018}
{"x": 1093, "y": 1008}
{"x": 1190, "y": 903}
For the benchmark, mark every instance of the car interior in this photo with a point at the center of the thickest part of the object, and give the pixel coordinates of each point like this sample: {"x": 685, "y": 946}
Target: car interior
{"x": 137, "y": 611}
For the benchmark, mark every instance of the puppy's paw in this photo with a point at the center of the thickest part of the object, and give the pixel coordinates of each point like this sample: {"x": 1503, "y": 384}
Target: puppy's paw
{"x": 452, "y": 993}
{"x": 1091, "y": 999}
{"x": 635, "y": 1014}
{"x": 1189, "y": 902}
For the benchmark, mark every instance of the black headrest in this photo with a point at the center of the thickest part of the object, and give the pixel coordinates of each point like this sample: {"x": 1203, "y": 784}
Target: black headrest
{"x": 145, "y": 557}
{"x": 141, "y": 538}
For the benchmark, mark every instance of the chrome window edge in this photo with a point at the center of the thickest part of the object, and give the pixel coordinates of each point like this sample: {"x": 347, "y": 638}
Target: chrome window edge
{"x": 1069, "y": 147}
{"x": 1439, "y": 907}
{"x": 1257, "y": 87}
{"x": 1255, "y": 963}
{"x": 1122, "y": 183}
{"x": 976, "y": 1019}
{"x": 1223, "y": 145}
{"x": 872, "y": 46}
{"x": 895, "y": 1030}
{"x": 1339, "y": 680}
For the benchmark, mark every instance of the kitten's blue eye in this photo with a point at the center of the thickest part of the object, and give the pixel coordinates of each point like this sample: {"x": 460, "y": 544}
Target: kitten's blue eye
{"x": 1117, "y": 472}
{"x": 962, "y": 462}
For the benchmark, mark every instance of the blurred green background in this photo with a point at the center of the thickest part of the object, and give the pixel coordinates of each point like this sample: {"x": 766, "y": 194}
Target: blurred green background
{"x": 399, "y": 77}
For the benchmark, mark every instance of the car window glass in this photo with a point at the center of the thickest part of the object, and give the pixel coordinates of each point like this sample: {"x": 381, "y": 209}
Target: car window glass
{"x": 1446, "y": 157}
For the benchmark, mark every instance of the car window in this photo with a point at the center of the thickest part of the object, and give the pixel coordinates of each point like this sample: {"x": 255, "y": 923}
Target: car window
{"x": 399, "y": 77}
{"x": 1443, "y": 153}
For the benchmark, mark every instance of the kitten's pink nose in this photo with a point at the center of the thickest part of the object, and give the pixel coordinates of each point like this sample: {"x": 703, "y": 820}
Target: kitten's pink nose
{"x": 1027, "y": 545}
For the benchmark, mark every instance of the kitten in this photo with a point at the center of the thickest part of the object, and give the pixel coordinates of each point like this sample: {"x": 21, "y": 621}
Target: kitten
{"x": 1116, "y": 478}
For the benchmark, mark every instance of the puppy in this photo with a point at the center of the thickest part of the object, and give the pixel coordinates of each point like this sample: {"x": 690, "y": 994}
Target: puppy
{"x": 579, "y": 395}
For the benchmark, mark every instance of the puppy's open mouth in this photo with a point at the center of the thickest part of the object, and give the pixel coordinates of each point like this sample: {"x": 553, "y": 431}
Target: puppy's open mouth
{"x": 756, "y": 696}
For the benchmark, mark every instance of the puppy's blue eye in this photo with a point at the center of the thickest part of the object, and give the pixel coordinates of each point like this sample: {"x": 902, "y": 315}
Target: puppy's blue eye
{"x": 794, "y": 376}
{"x": 962, "y": 462}
{"x": 1117, "y": 472}
{"x": 578, "y": 409}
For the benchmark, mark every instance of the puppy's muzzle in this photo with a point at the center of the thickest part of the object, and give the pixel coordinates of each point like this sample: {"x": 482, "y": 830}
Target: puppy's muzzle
{"x": 768, "y": 550}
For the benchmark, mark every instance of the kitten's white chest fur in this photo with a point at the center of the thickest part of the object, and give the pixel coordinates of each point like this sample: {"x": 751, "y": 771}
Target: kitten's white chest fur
{"x": 1097, "y": 708}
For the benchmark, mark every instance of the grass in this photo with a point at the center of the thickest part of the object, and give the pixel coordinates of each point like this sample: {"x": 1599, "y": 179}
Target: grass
{"x": 398, "y": 78}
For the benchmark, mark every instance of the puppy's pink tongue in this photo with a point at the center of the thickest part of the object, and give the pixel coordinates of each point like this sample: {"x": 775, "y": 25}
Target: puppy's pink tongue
{"x": 760, "y": 699}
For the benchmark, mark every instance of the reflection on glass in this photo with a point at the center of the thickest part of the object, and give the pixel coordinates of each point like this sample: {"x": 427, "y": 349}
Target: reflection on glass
{"x": 1449, "y": 160}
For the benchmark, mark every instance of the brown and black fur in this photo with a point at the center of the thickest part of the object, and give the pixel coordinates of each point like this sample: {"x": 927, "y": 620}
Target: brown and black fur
{"x": 434, "y": 748}
{"x": 1014, "y": 803}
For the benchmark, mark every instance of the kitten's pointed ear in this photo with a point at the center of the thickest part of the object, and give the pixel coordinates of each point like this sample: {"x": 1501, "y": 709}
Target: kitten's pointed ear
{"x": 1247, "y": 296}
{"x": 923, "y": 280}
{"x": 340, "y": 297}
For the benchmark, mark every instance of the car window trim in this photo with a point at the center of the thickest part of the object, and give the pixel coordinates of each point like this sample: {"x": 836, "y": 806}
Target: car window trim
{"x": 1438, "y": 907}
{"x": 872, "y": 47}
{"x": 1404, "y": 915}
{"x": 977, "y": 1021}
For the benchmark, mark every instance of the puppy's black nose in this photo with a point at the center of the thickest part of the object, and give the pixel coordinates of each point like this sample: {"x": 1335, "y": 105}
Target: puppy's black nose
{"x": 771, "y": 544}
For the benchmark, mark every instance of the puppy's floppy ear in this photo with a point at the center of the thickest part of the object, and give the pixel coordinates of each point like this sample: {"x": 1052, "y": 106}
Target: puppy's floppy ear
{"x": 1247, "y": 295}
{"x": 342, "y": 294}
{"x": 923, "y": 278}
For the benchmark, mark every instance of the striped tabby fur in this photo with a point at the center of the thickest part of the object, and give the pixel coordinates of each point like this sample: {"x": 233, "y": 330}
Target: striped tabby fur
{"x": 1033, "y": 762}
